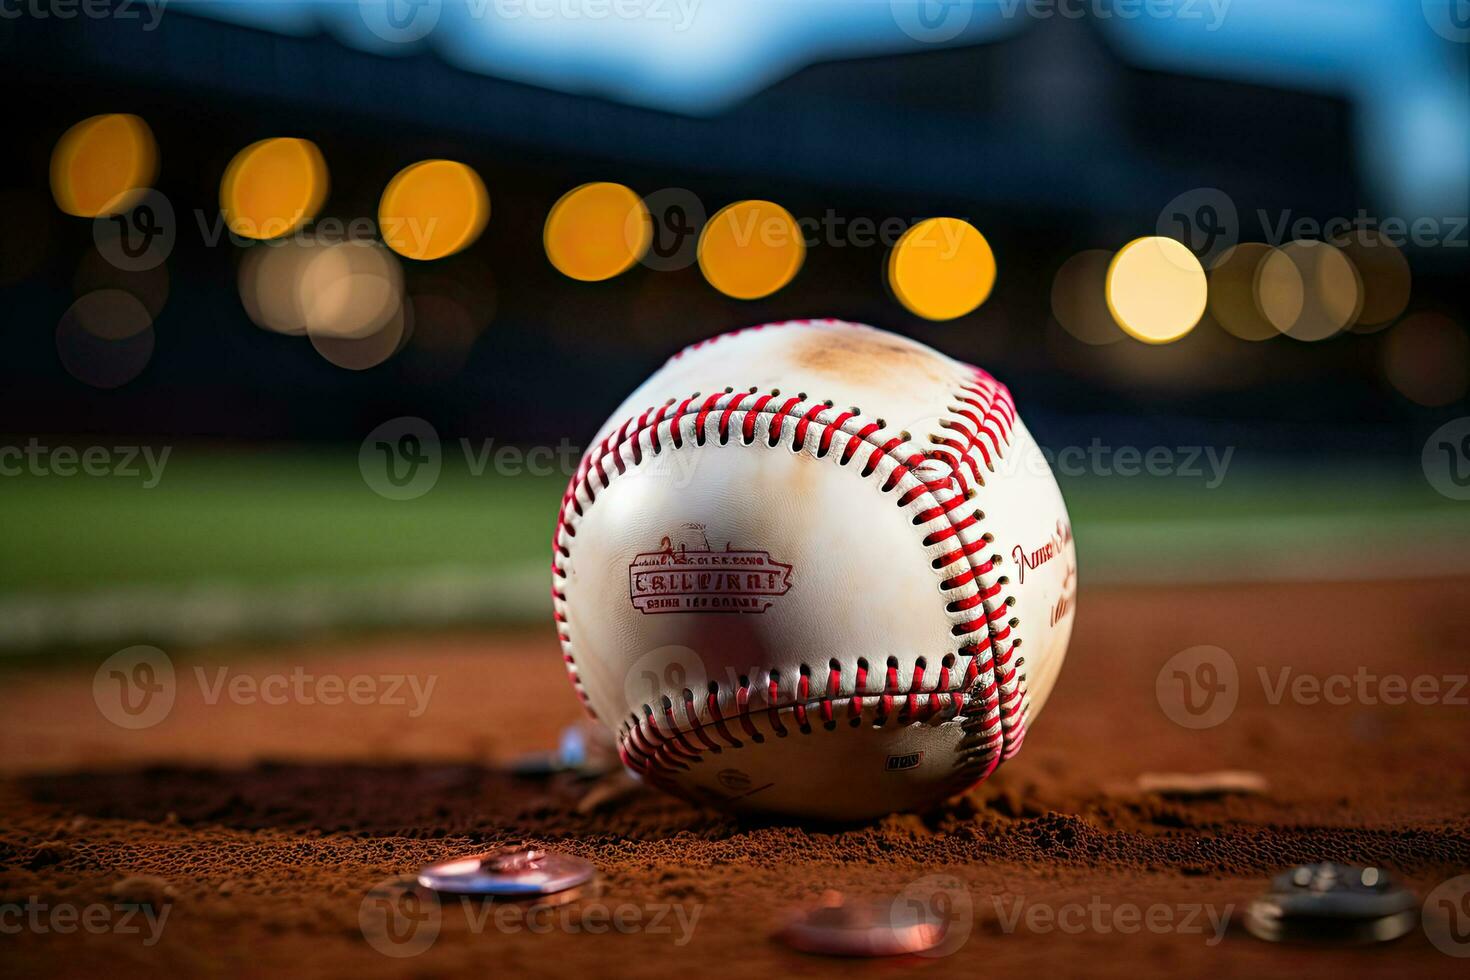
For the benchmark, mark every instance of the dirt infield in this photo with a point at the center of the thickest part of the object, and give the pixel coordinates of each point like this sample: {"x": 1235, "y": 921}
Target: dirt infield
{"x": 242, "y": 837}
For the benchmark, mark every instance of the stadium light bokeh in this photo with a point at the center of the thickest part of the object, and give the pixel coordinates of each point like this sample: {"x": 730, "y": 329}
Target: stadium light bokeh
{"x": 1410, "y": 86}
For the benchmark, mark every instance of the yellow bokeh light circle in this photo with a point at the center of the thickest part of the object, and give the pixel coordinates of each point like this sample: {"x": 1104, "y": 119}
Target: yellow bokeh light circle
{"x": 432, "y": 209}
{"x": 1386, "y": 279}
{"x": 269, "y": 280}
{"x": 273, "y": 187}
{"x": 102, "y": 164}
{"x": 1309, "y": 290}
{"x": 941, "y": 268}
{"x": 1233, "y": 292}
{"x": 597, "y": 231}
{"x": 349, "y": 289}
{"x": 1156, "y": 289}
{"x": 750, "y": 249}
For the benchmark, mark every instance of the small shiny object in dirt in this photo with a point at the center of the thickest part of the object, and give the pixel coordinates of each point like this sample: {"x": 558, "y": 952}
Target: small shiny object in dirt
{"x": 586, "y": 750}
{"x": 1332, "y": 903}
{"x": 508, "y": 873}
{"x": 840, "y": 926}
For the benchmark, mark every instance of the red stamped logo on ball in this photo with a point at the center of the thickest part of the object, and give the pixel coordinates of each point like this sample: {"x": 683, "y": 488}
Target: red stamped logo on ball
{"x": 686, "y": 575}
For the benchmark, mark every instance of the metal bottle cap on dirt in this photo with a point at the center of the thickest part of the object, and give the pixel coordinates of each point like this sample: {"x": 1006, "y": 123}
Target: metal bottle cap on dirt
{"x": 842, "y": 926}
{"x": 1333, "y": 903}
{"x": 509, "y": 873}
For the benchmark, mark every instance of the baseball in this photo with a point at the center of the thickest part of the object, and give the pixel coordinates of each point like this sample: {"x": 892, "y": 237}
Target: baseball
{"x": 814, "y": 569}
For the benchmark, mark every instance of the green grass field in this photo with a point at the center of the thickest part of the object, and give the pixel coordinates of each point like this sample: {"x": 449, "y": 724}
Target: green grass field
{"x": 264, "y": 517}
{"x": 241, "y": 536}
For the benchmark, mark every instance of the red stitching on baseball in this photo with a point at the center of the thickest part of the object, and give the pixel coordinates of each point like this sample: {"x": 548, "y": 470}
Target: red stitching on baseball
{"x": 661, "y": 752}
{"x": 773, "y": 698}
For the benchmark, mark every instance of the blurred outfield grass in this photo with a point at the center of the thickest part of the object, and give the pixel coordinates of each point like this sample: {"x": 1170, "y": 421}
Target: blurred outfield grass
{"x": 265, "y": 517}
{"x": 232, "y": 542}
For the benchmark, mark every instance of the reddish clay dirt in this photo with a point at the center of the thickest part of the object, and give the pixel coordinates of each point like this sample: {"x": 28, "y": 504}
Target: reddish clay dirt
{"x": 262, "y": 830}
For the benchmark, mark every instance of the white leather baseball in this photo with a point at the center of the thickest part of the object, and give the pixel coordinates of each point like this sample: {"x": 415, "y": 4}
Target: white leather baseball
{"x": 817, "y": 569}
